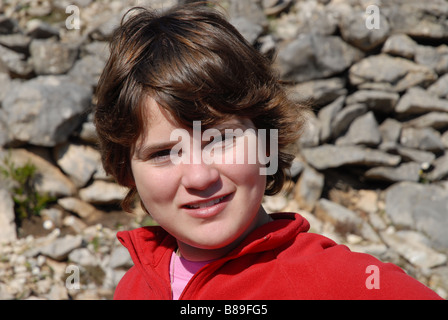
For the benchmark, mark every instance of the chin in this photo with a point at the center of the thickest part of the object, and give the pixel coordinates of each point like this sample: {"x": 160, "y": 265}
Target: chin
{"x": 214, "y": 240}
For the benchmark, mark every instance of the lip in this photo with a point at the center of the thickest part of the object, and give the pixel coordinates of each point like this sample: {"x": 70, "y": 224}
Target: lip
{"x": 208, "y": 211}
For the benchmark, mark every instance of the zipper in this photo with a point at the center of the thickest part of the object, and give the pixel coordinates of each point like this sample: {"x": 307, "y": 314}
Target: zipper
{"x": 217, "y": 264}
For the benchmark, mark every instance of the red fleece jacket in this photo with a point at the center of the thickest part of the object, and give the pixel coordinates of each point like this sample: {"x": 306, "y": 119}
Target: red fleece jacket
{"x": 279, "y": 260}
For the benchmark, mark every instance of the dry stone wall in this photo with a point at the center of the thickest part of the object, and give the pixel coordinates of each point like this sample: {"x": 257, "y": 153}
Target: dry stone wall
{"x": 371, "y": 167}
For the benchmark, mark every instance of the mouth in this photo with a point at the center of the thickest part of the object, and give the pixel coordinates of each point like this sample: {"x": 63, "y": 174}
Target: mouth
{"x": 205, "y": 204}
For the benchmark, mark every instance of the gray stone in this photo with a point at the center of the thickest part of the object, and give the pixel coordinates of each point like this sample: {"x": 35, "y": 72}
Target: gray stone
{"x": 439, "y": 280}
{"x": 102, "y": 192}
{"x": 87, "y": 70}
{"x": 378, "y": 101}
{"x": 297, "y": 167}
{"x": 83, "y": 209}
{"x": 60, "y": 248}
{"x": 434, "y": 58}
{"x": 417, "y": 19}
{"x": 50, "y": 57}
{"x": 445, "y": 139}
{"x": 415, "y": 248}
{"x": 7, "y": 217}
{"x": 400, "y": 45}
{"x": 88, "y": 133}
{"x": 417, "y": 101}
{"x": 38, "y": 29}
{"x": 364, "y": 130}
{"x": 399, "y": 72}
{"x": 15, "y": 62}
{"x": 312, "y": 56}
{"x": 250, "y": 10}
{"x": 274, "y": 7}
{"x": 330, "y": 156}
{"x": 96, "y": 48}
{"x": 326, "y": 116}
{"x": 311, "y": 133}
{"x": 5, "y": 82}
{"x": 309, "y": 188}
{"x": 250, "y": 30}
{"x": 390, "y": 131}
{"x": 318, "y": 92}
{"x": 74, "y": 224}
{"x": 419, "y": 207}
{"x": 354, "y": 31}
{"x": 405, "y": 172}
{"x": 436, "y": 120}
{"x": 83, "y": 257}
{"x": 440, "y": 170}
{"x": 440, "y": 87}
{"x": 120, "y": 258}
{"x": 345, "y": 117}
{"x": 345, "y": 220}
{"x": 51, "y": 180}
{"x": 44, "y": 111}
{"x": 315, "y": 18}
{"x": 16, "y": 42}
{"x": 424, "y": 158}
{"x": 79, "y": 162}
{"x": 426, "y": 139}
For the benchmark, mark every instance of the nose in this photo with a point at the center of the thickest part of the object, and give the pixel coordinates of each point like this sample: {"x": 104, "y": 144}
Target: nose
{"x": 199, "y": 176}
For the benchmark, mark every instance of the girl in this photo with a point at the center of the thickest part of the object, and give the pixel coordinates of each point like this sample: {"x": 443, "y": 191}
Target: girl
{"x": 167, "y": 72}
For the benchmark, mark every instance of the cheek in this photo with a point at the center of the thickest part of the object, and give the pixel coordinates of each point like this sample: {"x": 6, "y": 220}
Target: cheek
{"x": 247, "y": 176}
{"x": 153, "y": 188}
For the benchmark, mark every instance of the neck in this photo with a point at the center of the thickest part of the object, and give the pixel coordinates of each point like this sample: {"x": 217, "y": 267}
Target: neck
{"x": 192, "y": 253}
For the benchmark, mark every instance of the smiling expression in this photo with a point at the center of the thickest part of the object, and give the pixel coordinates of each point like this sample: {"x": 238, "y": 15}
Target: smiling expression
{"x": 204, "y": 206}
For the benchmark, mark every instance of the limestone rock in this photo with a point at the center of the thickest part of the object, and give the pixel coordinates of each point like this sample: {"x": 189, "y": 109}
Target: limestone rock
{"x": 405, "y": 172}
{"x": 382, "y": 68}
{"x": 102, "y": 192}
{"x": 50, "y": 57}
{"x": 79, "y": 162}
{"x": 330, "y": 156}
{"x": 426, "y": 139}
{"x": 400, "y": 45}
{"x": 51, "y": 180}
{"x": 418, "y": 101}
{"x": 7, "y": 217}
{"x": 44, "y": 111}
{"x": 312, "y": 56}
{"x": 415, "y": 248}
{"x": 354, "y": 31}
{"x": 309, "y": 188}
{"x": 61, "y": 247}
{"x": 419, "y": 207}
{"x": 363, "y": 131}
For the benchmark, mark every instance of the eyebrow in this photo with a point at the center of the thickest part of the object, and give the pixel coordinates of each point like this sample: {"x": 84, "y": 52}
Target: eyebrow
{"x": 145, "y": 151}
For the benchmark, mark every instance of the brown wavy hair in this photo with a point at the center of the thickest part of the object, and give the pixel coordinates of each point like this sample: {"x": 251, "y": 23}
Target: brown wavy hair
{"x": 197, "y": 66}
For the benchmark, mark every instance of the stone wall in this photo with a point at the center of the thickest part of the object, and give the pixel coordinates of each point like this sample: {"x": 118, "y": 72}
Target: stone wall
{"x": 370, "y": 169}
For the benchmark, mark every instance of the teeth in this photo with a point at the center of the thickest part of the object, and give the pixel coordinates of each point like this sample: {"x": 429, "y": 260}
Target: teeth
{"x": 205, "y": 204}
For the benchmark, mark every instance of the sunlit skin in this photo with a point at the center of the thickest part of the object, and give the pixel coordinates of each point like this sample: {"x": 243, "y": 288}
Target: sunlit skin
{"x": 231, "y": 194}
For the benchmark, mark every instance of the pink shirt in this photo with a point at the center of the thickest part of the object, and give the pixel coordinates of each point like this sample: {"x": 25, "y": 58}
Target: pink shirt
{"x": 181, "y": 271}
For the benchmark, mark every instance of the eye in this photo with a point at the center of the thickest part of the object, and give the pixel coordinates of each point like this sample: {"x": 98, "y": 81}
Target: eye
{"x": 160, "y": 157}
{"x": 223, "y": 141}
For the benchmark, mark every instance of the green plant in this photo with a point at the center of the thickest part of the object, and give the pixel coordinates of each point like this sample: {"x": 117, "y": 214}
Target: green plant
{"x": 28, "y": 202}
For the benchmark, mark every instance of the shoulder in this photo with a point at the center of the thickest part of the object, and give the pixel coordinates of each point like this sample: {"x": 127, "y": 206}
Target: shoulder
{"x": 333, "y": 271}
{"x": 132, "y": 286}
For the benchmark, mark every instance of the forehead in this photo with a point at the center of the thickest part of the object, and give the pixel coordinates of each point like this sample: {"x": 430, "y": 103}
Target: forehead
{"x": 156, "y": 117}
{"x": 159, "y": 123}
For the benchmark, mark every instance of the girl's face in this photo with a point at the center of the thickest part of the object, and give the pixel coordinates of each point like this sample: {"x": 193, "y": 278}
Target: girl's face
{"x": 208, "y": 208}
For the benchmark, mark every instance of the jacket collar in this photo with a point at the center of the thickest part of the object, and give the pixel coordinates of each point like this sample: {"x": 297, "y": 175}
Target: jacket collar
{"x": 150, "y": 245}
